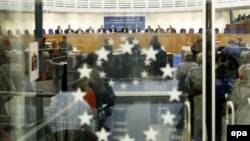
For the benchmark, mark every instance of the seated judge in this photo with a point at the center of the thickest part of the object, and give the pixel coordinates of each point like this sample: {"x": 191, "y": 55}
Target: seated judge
{"x": 101, "y": 29}
{"x": 68, "y": 30}
{"x": 90, "y": 30}
{"x": 137, "y": 29}
{"x": 58, "y": 30}
{"x": 159, "y": 29}
{"x": 112, "y": 29}
{"x": 124, "y": 29}
{"x": 79, "y": 31}
{"x": 149, "y": 29}
{"x": 170, "y": 29}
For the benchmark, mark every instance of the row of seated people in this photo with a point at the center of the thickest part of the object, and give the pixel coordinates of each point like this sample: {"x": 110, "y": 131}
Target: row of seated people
{"x": 111, "y": 30}
{"x": 243, "y": 17}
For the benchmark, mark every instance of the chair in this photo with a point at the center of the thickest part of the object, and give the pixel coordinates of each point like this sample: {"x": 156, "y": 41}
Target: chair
{"x": 183, "y": 30}
{"x": 216, "y": 30}
{"x": 44, "y": 32}
{"x": 191, "y": 30}
{"x": 18, "y": 32}
{"x": 234, "y": 31}
{"x": 226, "y": 30}
{"x": 9, "y": 32}
{"x": 26, "y": 32}
{"x": 51, "y": 31}
{"x": 242, "y": 30}
{"x": 200, "y": 31}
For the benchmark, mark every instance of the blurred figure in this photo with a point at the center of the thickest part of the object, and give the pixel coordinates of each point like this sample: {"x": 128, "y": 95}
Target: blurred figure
{"x": 65, "y": 46}
{"x": 170, "y": 29}
{"x": 79, "y": 31}
{"x": 124, "y": 29}
{"x": 183, "y": 69}
{"x": 159, "y": 29}
{"x": 101, "y": 29}
{"x": 112, "y": 29}
{"x": 68, "y": 30}
{"x": 90, "y": 30}
{"x": 149, "y": 29}
{"x": 137, "y": 29}
{"x": 196, "y": 47}
{"x": 58, "y": 30}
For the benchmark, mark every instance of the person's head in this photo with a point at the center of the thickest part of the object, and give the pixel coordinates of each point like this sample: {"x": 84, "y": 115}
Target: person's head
{"x": 188, "y": 55}
{"x": 64, "y": 37}
{"x": 170, "y": 26}
{"x": 58, "y": 27}
{"x": 112, "y": 26}
{"x": 149, "y": 27}
{"x": 231, "y": 42}
{"x": 91, "y": 59}
{"x": 90, "y": 27}
{"x": 199, "y": 58}
{"x": 79, "y": 28}
{"x": 158, "y": 26}
{"x": 69, "y": 26}
{"x": 101, "y": 26}
{"x": 155, "y": 42}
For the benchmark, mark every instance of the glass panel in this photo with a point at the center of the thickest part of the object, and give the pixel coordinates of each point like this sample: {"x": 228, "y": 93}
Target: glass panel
{"x": 232, "y": 68}
{"x": 100, "y": 75}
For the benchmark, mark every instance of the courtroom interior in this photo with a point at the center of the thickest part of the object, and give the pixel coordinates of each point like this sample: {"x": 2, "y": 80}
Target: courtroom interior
{"x": 123, "y": 70}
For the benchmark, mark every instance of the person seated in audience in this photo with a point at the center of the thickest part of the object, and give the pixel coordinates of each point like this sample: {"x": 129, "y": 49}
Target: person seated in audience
{"x": 58, "y": 30}
{"x": 231, "y": 49}
{"x": 137, "y": 29}
{"x": 171, "y": 29}
{"x": 79, "y": 31}
{"x": 183, "y": 69}
{"x": 101, "y": 29}
{"x": 68, "y": 30}
{"x": 124, "y": 29}
{"x": 65, "y": 46}
{"x": 112, "y": 29}
{"x": 159, "y": 29}
{"x": 149, "y": 29}
{"x": 90, "y": 30}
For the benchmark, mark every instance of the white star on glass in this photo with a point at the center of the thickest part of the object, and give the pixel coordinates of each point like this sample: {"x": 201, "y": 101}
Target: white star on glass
{"x": 102, "y": 135}
{"x": 123, "y": 86}
{"x": 127, "y": 138}
{"x": 102, "y": 54}
{"x": 150, "y": 53}
{"x": 136, "y": 42}
{"x": 102, "y": 74}
{"x": 126, "y": 48}
{"x": 85, "y": 118}
{"x": 144, "y": 74}
{"x": 111, "y": 42}
{"x": 123, "y": 38}
{"x": 84, "y": 71}
{"x": 168, "y": 118}
{"x": 99, "y": 63}
{"x": 111, "y": 83}
{"x": 135, "y": 82}
{"x": 167, "y": 71}
{"x": 78, "y": 95}
{"x": 147, "y": 62}
{"x": 175, "y": 95}
{"x": 150, "y": 134}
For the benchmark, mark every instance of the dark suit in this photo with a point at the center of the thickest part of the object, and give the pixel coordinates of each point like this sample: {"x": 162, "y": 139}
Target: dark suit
{"x": 136, "y": 30}
{"x": 159, "y": 30}
{"x": 79, "y": 31}
{"x": 171, "y": 30}
{"x": 90, "y": 31}
{"x": 112, "y": 30}
{"x": 149, "y": 30}
{"x": 58, "y": 31}
{"x": 103, "y": 30}
{"x": 67, "y": 31}
{"x": 124, "y": 30}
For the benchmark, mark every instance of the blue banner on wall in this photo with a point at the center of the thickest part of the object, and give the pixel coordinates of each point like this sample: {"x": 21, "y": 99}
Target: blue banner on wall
{"x": 129, "y": 21}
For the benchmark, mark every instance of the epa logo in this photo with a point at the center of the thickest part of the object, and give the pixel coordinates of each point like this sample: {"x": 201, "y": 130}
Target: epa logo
{"x": 239, "y": 134}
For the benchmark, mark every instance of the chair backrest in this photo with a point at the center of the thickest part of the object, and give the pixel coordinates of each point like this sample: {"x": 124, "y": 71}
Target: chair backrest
{"x": 44, "y": 32}
{"x": 26, "y": 32}
{"x": 200, "y": 30}
{"x": 191, "y": 30}
{"x": 183, "y": 30}
{"x": 226, "y": 31}
{"x": 18, "y": 32}
{"x": 9, "y": 32}
{"x": 234, "y": 31}
{"x": 216, "y": 30}
{"x": 51, "y": 31}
